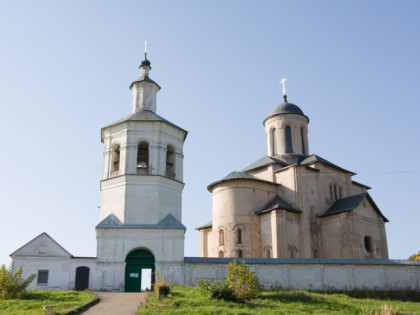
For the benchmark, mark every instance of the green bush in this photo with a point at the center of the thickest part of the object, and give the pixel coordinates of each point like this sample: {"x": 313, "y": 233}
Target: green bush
{"x": 243, "y": 281}
{"x": 12, "y": 286}
{"x": 216, "y": 289}
{"x": 415, "y": 256}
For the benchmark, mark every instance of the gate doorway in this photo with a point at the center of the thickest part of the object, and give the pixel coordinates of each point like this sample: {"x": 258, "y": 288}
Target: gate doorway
{"x": 139, "y": 271}
{"x": 82, "y": 278}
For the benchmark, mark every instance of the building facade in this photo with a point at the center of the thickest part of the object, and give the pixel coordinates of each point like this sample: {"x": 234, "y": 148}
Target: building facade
{"x": 140, "y": 227}
{"x": 292, "y": 204}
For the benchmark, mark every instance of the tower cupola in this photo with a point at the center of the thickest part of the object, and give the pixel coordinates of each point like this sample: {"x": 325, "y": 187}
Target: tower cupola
{"x": 144, "y": 89}
{"x": 286, "y": 130}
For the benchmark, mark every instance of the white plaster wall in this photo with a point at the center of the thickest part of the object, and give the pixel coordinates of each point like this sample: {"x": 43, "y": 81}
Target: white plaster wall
{"x": 341, "y": 275}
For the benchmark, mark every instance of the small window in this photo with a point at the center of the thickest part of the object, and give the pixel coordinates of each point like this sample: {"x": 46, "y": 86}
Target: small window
{"x": 303, "y": 140}
{"x": 239, "y": 253}
{"x": 42, "y": 277}
{"x": 221, "y": 237}
{"x": 368, "y": 244}
{"x": 221, "y": 254}
{"x": 293, "y": 252}
{"x": 289, "y": 147}
{"x": 274, "y": 137}
{"x": 239, "y": 235}
{"x": 331, "y": 192}
{"x": 268, "y": 253}
{"x": 340, "y": 192}
{"x": 115, "y": 158}
{"x": 170, "y": 162}
{"x": 142, "y": 157}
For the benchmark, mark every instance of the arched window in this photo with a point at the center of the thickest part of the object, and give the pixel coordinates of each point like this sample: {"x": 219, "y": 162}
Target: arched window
{"x": 274, "y": 137}
{"x": 340, "y": 192}
{"x": 221, "y": 254}
{"x": 368, "y": 244}
{"x": 115, "y": 158}
{"x": 142, "y": 157}
{"x": 293, "y": 252}
{"x": 221, "y": 237}
{"x": 289, "y": 147}
{"x": 239, "y": 236}
{"x": 331, "y": 192}
{"x": 335, "y": 192}
{"x": 170, "y": 162}
{"x": 303, "y": 140}
{"x": 267, "y": 253}
{"x": 239, "y": 253}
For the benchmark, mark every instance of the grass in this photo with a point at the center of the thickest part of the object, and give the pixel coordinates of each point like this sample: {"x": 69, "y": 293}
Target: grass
{"x": 187, "y": 300}
{"x": 64, "y": 301}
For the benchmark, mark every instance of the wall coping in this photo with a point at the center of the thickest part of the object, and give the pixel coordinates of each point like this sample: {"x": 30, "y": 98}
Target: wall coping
{"x": 303, "y": 261}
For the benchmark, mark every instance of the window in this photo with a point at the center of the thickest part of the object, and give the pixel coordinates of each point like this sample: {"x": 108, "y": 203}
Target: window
{"x": 274, "y": 137}
{"x": 42, "y": 277}
{"x": 142, "y": 157}
{"x": 267, "y": 253}
{"x": 293, "y": 252}
{"x": 331, "y": 192}
{"x": 115, "y": 158}
{"x": 221, "y": 237}
{"x": 170, "y": 162}
{"x": 239, "y": 253}
{"x": 303, "y": 140}
{"x": 289, "y": 147}
{"x": 221, "y": 254}
{"x": 335, "y": 192}
{"x": 239, "y": 235}
{"x": 368, "y": 244}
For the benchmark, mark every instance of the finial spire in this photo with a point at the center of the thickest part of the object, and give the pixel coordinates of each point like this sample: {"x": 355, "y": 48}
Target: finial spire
{"x": 145, "y": 49}
{"x": 283, "y": 81}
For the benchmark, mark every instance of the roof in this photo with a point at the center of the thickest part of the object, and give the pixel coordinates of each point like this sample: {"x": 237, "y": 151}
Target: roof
{"x": 145, "y": 79}
{"x": 291, "y": 159}
{"x": 278, "y": 203}
{"x": 168, "y": 222}
{"x": 285, "y": 108}
{"x": 205, "y": 226}
{"x": 350, "y": 203}
{"x": 360, "y": 184}
{"x": 43, "y": 234}
{"x": 238, "y": 176}
{"x": 142, "y": 115}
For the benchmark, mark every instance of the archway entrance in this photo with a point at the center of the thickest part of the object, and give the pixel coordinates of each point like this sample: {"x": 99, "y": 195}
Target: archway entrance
{"x": 139, "y": 271}
{"x": 82, "y": 278}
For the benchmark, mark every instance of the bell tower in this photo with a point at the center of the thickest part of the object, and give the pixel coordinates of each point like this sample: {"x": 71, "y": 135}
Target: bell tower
{"x": 142, "y": 183}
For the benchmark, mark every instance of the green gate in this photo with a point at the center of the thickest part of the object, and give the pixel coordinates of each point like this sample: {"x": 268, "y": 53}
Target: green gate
{"x": 135, "y": 262}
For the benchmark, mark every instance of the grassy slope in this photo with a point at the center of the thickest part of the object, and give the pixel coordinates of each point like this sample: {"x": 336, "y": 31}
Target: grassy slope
{"x": 64, "y": 301}
{"x": 187, "y": 300}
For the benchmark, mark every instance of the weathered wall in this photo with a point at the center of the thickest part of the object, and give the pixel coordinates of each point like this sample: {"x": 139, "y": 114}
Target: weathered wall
{"x": 314, "y": 274}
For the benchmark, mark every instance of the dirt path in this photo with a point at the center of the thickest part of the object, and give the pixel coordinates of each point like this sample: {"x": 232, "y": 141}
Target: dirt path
{"x": 116, "y": 303}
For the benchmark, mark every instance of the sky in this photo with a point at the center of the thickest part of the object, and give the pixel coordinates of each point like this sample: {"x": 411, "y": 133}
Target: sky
{"x": 65, "y": 68}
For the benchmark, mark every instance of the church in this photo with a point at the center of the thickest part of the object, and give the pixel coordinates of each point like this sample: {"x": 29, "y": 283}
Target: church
{"x": 288, "y": 204}
{"x": 292, "y": 204}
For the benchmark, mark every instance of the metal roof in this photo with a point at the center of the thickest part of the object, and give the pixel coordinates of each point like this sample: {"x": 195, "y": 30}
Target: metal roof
{"x": 142, "y": 115}
{"x": 168, "y": 222}
{"x": 237, "y": 176}
{"x": 291, "y": 159}
{"x": 278, "y": 203}
{"x": 285, "y": 108}
{"x": 205, "y": 226}
{"x": 350, "y": 203}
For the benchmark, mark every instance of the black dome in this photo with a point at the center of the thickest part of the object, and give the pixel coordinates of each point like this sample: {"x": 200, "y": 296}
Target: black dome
{"x": 285, "y": 108}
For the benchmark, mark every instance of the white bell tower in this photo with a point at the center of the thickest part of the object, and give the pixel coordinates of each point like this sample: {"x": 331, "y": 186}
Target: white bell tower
{"x": 141, "y": 188}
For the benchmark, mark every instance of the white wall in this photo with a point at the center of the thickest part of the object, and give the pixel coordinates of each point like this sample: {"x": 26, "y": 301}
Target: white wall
{"x": 314, "y": 274}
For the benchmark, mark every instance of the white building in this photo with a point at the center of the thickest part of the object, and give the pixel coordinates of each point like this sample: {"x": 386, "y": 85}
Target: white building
{"x": 266, "y": 211}
{"x": 140, "y": 227}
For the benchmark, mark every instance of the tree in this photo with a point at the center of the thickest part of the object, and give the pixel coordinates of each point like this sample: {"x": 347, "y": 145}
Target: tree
{"x": 415, "y": 256}
{"x": 12, "y": 285}
{"x": 243, "y": 280}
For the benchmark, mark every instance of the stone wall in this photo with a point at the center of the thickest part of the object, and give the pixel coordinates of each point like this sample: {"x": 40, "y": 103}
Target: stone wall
{"x": 314, "y": 274}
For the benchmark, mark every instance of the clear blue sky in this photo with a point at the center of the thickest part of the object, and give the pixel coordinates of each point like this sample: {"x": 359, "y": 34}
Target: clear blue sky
{"x": 65, "y": 68}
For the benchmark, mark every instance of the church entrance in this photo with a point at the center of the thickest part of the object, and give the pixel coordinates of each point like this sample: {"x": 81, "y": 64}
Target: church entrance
{"x": 82, "y": 278}
{"x": 139, "y": 271}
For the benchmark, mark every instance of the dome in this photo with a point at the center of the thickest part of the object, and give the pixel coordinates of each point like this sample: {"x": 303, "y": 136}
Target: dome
{"x": 285, "y": 108}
